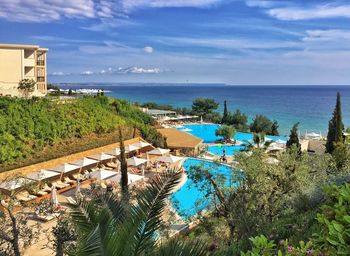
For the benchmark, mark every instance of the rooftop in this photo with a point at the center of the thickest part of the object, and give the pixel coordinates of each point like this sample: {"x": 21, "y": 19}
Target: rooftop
{"x": 179, "y": 139}
{"x": 22, "y": 46}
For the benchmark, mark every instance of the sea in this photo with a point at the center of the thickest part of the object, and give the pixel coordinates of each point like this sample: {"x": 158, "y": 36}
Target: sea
{"x": 311, "y": 106}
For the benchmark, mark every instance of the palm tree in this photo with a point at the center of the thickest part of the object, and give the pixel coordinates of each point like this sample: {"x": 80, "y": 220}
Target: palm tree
{"x": 107, "y": 226}
{"x": 258, "y": 142}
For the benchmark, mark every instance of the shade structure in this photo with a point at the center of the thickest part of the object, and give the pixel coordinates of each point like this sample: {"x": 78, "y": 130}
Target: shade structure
{"x": 85, "y": 162}
{"x": 170, "y": 159}
{"x": 102, "y": 174}
{"x": 135, "y": 161}
{"x": 114, "y": 152}
{"x": 159, "y": 151}
{"x": 102, "y": 157}
{"x": 131, "y": 178}
{"x": 14, "y": 184}
{"x": 280, "y": 141}
{"x": 141, "y": 144}
{"x": 130, "y": 148}
{"x": 64, "y": 168}
{"x": 42, "y": 175}
{"x": 54, "y": 199}
{"x": 275, "y": 148}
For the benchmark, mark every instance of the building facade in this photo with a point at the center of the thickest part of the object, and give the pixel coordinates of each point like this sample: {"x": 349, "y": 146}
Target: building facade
{"x": 19, "y": 62}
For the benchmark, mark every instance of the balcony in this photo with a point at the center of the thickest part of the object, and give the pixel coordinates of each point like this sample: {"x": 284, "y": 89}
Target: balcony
{"x": 40, "y": 62}
{"x": 40, "y": 79}
{"x": 28, "y": 62}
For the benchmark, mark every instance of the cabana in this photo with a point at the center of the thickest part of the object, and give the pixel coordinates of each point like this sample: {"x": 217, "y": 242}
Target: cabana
{"x": 114, "y": 152}
{"x": 102, "y": 174}
{"x": 66, "y": 168}
{"x": 135, "y": 161}
{"x": 131, "y": 178}
{"x": 159, "y": 151}
{"x": 131, "y": 148}
{"x": 42, "y": 175}
{"x": 14, "y": 184}
{"x": 170, "y": 159}
{"x": 85, "y": 162}
{"x": 102, "y": 157}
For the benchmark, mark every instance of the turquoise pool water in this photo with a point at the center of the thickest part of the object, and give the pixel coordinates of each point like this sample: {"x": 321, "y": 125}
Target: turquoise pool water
{"x": 189, "y": 199}
{"x": 229, "y": 150}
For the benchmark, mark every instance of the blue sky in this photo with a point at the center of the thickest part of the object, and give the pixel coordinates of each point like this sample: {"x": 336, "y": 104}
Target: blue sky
{"x": 206, "y": 41}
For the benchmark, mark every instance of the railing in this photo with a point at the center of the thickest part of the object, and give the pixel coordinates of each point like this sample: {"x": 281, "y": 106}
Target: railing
{"x": 40, "y": 79}
{"x": 40, "y": 62}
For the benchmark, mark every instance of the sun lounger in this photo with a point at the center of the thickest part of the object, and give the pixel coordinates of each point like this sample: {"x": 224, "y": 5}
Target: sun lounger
{"x": 103, "y": 185}
{"x": 25, "y": 197}
{"x": 78, "y": 176}
{"x": 46, "y": 188}
{"x": 69, "y": 181}
{"x": 71, "y": 200}
{"x": 41, "y": 193}
{"x": 62, "y": 183}
{"x": 59, "y": 186}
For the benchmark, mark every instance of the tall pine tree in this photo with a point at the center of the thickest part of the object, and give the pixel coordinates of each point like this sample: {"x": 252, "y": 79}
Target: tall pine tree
{"x": 294, "y": 138}
{"x": 225, "y": 116}
{"x": 335, "y": 127}
{"x": 123, "y": 167}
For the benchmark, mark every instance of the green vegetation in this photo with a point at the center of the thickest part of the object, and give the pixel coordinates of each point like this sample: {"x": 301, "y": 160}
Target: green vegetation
{"x": 225, "y": 131}
{"x": 204, "y": 107}
{"x": 294, "y": 137}
{"x": 26, "y": 86}
{"x": 31, "y": 126}
{"x": 107, "y": 226}
{"x": 261, "y": 124}
{"x": 335, "y": 127}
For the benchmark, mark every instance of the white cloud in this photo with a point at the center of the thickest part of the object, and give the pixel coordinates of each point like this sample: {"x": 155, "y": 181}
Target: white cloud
{"x": 316, "y": 12}
{"x": 46, "y": 10}
{"x": 59, "y": 73}
{"x": 327, "y": 35}
{"x": 87, "y": 73}
{"x": 129, "y": 5}
{"x": 148, "y": 49}
{"x": 131, "y": 70}
{"x": 262, "y": 3}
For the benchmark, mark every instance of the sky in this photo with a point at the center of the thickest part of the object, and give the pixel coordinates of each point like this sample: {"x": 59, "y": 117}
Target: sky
{"x": 239, "y": 42}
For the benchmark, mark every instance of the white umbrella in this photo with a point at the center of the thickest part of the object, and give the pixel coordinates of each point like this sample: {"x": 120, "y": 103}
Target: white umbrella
{"x": 130, "y": 148}
{"x": 131, "y": 178}
{"x": 280, "y": 141}
{"x": 102, "y": 174}
{"x": 158, "y": 151}
{"x": 54, "y": 199}
{"x": 170, "y": 159}
{"x": 42, "y": 175}
{"x": 141, "y": 144}
{"x": 101, "y": 157}
{"x": 135, "y": 161}
{"x": 114, "y": 152}
{"x": 85, "y": 162}
{"x": 275, "y": 148}
{"x": 64, "y": 168}
{"x": 14, "y": 184}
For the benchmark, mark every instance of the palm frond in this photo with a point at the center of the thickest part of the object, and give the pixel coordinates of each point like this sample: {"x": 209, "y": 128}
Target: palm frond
{"x": 150, "y": 205}
{"x": 181, "y": 248}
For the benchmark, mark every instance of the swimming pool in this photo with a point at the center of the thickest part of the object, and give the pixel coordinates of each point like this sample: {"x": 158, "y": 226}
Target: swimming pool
{"x": 188, "y": 200}
{"x": 207, "y": 133}
{"x": 229, "y": 149}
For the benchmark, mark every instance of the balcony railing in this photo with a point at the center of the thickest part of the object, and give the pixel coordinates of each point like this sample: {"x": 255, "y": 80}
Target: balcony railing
{"x": 40, "y": 62}
{"x": 40, "y": 79}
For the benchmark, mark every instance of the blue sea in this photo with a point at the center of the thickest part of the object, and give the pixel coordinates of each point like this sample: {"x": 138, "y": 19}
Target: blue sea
{"x": 312, "y": 106}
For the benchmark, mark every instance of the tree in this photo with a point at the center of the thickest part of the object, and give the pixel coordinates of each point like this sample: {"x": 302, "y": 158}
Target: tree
{"x": 70, "y": 92}
{"x": 109, "y": 227}
{"x": 335, "y": 127}
{"x": 294, "y": 138}
{"x": 239, "y": 120}
{"x": 15, "y": 232}
{"x": 261, "y": 124}
{"x": 226, "y": 131}
{"x": 204, "y": 106}
{"x": 226, "y": 114}
{"x": 26, "y": 86}
{"x": 64, "y": 234}
{"x": 124, "y": 181}
{"x": 274, "y": 128}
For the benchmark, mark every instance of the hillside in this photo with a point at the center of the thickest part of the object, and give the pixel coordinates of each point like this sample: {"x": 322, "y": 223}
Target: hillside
{"x": 40, "y": 129}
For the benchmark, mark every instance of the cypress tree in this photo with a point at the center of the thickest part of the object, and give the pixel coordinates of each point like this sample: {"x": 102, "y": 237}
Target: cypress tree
{"x": 274, "y": 128}
{"x": 335, "y": 127}
{"x": 294, "y": 138}
{"x": 123, "y": 166}
{"x": 225, "y": 116}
